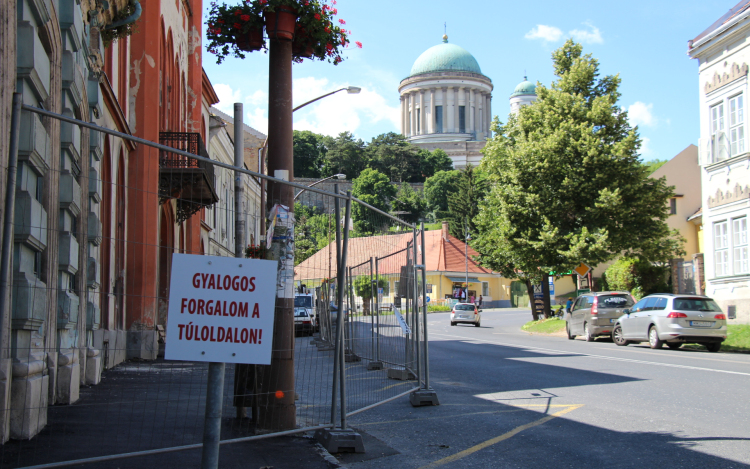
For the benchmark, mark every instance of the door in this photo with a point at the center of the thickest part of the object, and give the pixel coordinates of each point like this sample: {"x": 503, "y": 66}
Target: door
{"x": 628, "y": 323}
{"x": 579, "y": 309}
{"x": 643, "y": 318}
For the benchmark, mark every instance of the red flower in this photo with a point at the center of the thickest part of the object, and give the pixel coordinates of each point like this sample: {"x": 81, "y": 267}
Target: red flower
{"x": 217, "y": 31}
{"x": 335, "y": 11}
{"x": 263, "y": 2}
{"x": 237, "y": 25}
{"x": 245, "y": 17}
{"x": 334, "y": 2}
{"x": 220, "y": 21}
{"x": 359, "y": 44}
{"x": 317, "y": 16}
{"x": 342, "y": 21}
{"x": 238, "y": 13}
{"x": 327, "y": 29}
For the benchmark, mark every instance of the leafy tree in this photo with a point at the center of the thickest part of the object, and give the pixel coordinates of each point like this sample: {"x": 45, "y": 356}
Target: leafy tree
{"x": 437, "y": 188}
{"x": 410, "y": 201}
{"x": 463, "y": 204}
{"x": 309, "y": 154}
{"x": 567, "y": 185}
{"x": 374, "y": 188}
{"x": 653, "y": 165}
{"x": 393, "y": 156}
{"x": 344, "y": 155}
{"x": 434, "y": 161}
{"x": 637, "y": 276}
{"x": 313, "y": 231}
{"x": 363, "y": 288}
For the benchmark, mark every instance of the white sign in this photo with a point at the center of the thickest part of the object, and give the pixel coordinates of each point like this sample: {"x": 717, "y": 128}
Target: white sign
{"x": 404, "y": 327}
{"x": 221, "y": 309}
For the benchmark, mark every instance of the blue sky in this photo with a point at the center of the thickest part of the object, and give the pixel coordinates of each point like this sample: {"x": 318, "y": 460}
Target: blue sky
{"x": 645, "y": 41}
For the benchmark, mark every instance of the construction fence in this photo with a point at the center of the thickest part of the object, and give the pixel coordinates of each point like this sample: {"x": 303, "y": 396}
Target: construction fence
{"x": 93, "y": 234}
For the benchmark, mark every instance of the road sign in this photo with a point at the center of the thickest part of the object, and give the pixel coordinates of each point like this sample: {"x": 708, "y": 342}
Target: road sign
{"x": 428, "y": 299}
{"x": 221, "y": 309}
{"x": 582, "y": 270}
{"x": 537, "y": 289}
{"x": 551, "y": 287}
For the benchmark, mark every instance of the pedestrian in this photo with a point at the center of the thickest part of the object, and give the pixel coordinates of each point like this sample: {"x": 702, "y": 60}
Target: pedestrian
{"x": 569, "y": 304}
{"x": 480, "y": 301}
{"x": 471, "y": 299}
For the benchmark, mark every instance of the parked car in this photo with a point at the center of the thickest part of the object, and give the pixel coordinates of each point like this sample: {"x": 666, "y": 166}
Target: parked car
{"x": 674, "y": 320}
{"x": 303, "y": 322}
{"x": 594, "y": 314}
{"x": 466, "y": 313}
{"x": 306, "y": 302}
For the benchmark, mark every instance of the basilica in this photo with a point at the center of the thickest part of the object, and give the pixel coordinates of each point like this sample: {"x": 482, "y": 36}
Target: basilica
{"x": 446, "y": 102}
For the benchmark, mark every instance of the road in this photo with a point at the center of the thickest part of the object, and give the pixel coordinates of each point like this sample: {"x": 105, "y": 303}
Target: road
{"x": 510, "y": 399}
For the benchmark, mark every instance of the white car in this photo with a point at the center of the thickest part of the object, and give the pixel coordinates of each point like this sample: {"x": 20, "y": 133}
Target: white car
{"x": 466, "y": 313}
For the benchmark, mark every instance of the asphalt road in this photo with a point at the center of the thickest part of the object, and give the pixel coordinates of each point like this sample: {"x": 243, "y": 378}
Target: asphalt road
{"x": 509, "y": 399}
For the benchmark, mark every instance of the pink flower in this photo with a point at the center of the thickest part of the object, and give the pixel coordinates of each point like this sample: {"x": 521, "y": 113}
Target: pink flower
{"x": 335, "y": 11}
{"x": 342, "y": 21}
{"x": 359, "y": 44}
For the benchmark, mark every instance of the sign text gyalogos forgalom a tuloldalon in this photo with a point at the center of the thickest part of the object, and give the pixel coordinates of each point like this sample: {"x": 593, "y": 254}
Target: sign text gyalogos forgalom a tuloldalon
{"x": 220, "y": 309}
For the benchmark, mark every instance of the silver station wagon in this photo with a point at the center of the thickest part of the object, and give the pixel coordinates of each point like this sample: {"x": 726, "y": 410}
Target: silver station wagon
{"x": 673, "y": 320}
{"x": 594, "y": 314}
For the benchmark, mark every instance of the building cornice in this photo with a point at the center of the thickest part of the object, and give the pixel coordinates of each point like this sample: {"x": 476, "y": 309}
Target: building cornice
{"x": 447, "y": 75}
{"x": 713, "y": 41}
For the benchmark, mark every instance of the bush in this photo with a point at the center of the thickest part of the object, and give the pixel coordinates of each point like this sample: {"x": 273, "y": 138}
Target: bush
{"x": 435, "y": 308}
{"x": 637, "y": 276}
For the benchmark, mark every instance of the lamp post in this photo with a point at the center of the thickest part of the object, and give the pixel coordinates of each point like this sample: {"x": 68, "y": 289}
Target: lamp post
{"x": 349, "y": 90}
{"x": 466, "y": 255}
{"x": 339, "y": 176}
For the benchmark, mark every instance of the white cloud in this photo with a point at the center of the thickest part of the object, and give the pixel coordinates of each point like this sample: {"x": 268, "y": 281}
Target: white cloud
{"x": 646, "y": 150}
{"x": 227, "y": 98}
{"x": 593, "y": 36}
{"x": 339, "y": 112}
{"x": 545, "y": 33}
{"x": 257, "y": 119}
{"x": 259, "y": 98}
{"x": 640, "y": 114}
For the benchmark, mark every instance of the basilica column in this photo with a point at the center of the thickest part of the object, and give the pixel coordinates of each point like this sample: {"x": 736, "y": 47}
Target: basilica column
{"x": 480, "y": 115}
{"x": 488, "y": 107}
{"x": 470, "y": 110}
{"x": 445, "y": 110}
{"x": 422, "y": 113}
{"x": 432, "y": 111}
{"x": 403, "y": 121}
{"x": 413, "y": 115}
{"x": 456, "y": 101}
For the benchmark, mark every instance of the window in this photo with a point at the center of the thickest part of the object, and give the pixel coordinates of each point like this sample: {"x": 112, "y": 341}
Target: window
{"x": 38, "y": 264}
{"x": 639, "y": 306}
{"x": 673, "y": 206}
{"x": 736, "y": 125}
{"x": 650, "y": 304}
{"x": 739, "y": 243}
{"x": 39, "y": 188}
{"x": 661, "y": 304}
{"x": 717, "y": 119}
{"x": 721, "y": 249}
{"x": 439, "y": 119}
{"x": 485, "y": 287}
{"x": 462, "y": 119}
{"x": 395, "y": 287}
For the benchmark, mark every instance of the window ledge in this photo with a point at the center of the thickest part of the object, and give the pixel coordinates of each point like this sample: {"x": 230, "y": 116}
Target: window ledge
{"x": 729, "y": 161}
{"x": 730, "y": 279}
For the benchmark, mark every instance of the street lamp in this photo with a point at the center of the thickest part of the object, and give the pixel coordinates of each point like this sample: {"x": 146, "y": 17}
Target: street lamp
{"x": 349, "y": 90}
{"x": 340, "y": 176}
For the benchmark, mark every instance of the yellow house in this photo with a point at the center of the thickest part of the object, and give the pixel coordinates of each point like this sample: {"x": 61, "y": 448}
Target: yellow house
{"x": 448, "y": 262}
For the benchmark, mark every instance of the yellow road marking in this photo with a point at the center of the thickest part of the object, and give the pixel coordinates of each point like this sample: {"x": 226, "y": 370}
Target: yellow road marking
{"x": 500, "y": 438}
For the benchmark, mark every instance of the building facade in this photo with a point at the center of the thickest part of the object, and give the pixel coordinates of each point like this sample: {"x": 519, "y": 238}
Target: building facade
{"x": 723, "y": 55}
{"x": 446, "y": 102}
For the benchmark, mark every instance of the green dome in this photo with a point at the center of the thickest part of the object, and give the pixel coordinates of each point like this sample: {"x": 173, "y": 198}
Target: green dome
{"x": 445, "y": 57}
{"x": 524, "y": 88}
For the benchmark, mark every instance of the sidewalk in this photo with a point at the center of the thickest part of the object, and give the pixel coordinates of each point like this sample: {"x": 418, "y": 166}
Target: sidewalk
{"x": 149, "y": 405}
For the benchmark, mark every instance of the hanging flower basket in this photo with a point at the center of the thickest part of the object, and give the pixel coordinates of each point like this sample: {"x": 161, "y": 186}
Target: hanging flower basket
{"x": 280, "y": 24}
{"x": 251, "y": 40}
{"x": 310, "y": 24}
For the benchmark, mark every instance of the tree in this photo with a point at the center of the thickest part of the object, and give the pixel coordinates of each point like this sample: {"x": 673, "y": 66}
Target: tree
{"x": 410, "y": 201}
{"x": 313, "y": 231}
{"x": 463, "y": 204}
{"x": 363, "y": 288}
{"x": 374, "y": 188}
{"x": 434, "y": 161}
{"x": 653, "y": 165}
{"x": 344, "y": 155}
{"x": 437, "y": 189}
{"x": 637, "y": 276}
{"x": 567, "y": 185}
{"x": 309, "y": 154}
{"x": 393, "y": 156}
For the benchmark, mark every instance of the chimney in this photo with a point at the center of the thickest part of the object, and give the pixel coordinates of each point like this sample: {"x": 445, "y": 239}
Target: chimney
{"x": 445, "y": 231}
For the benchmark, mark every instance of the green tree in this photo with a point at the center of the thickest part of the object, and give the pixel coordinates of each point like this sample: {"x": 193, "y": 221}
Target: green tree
{"x": 653, "y": 165}
{"x": 410, "y": 201}
{"x": 374, "y": 188}
{"x": 433, "y": 162}
{"x": 393, "y": 156}
{"x": 344, "y": 155}
{"x": 637, "y": 276}
{"x": 463, "y": 204}
{"x": 309, "y": 154}
{"x": 363, "y": 288}
{"x": 567, "y": 185}
{"x": 437, "y": 188}
{"x": 313, "y": 231}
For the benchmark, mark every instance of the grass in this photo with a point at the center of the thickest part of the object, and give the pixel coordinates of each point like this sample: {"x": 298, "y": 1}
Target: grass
{"x": 544, "y": 326}
{"x": 437, "y": 308}
{"x": 738, "y": 340}
{"x": 433, "y": 226}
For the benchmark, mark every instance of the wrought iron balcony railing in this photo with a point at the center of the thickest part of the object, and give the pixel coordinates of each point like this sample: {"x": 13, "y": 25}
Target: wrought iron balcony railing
{"x": 188, "y": 180}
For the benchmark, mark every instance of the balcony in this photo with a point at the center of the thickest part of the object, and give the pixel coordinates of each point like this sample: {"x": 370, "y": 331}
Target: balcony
{"x": 188, "y": 180}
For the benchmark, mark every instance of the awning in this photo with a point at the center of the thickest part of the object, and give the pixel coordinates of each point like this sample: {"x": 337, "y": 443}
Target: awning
{"x": 463, "y": 279}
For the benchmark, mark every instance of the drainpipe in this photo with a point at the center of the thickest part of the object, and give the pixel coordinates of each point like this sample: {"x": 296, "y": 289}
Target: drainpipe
{"x": 130, "y": 19}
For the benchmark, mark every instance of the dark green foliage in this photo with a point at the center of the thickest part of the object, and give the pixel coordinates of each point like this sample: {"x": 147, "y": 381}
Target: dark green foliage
{"x": 345, "y": 155}
{"x": 364, "y": 288}
{"x": 637, "y": 276}
{"x": 411, "y": 201}
{"x": 434, "y": 162}
{"x": 374, "y": 188}
{"x": 313, "y": 231}
{"x": 393, "y": 156}
{"x": 309, "y": 154}
{"x": 567, "y": 183}
{"x": 437, "y": 189}
{"x": 463, "y": 204}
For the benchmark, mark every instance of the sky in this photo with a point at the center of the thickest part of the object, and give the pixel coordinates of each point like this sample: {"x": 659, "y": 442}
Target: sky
{"x": 644, "y": 41}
